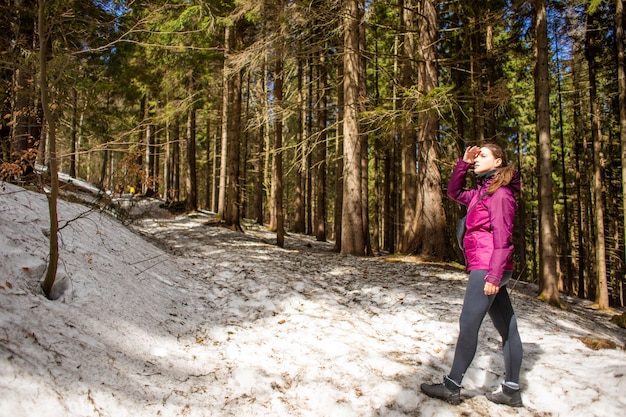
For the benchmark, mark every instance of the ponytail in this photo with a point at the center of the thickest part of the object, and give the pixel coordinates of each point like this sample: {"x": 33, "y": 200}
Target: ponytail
{"x": 501, "y": 178}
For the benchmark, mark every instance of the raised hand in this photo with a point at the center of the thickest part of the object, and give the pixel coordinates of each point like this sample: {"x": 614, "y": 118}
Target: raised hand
{"x": 471, "y": 153}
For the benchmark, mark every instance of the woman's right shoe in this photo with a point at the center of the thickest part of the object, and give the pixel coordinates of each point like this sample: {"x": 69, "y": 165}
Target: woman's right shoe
{"x": 507, "y": 396}
{"x": 448, "y": 391}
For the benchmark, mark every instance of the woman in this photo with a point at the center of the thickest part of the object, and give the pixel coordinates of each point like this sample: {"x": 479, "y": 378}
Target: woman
{"x": 488, "y": 249}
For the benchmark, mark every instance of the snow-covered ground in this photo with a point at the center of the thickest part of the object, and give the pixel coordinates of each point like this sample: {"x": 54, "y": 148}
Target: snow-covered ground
{"x": 196, "y": 320}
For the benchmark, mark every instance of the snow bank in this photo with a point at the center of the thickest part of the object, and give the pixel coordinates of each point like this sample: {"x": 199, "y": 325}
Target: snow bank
{"x": 195, "y": 320}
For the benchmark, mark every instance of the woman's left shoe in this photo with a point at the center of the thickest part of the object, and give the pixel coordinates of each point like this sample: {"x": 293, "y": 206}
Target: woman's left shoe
{"x": 448, "y": 391}
{"x": 507, "y": 396}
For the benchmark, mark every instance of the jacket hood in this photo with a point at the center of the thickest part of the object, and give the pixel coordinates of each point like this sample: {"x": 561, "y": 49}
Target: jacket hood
{"x": 516, "y": 183}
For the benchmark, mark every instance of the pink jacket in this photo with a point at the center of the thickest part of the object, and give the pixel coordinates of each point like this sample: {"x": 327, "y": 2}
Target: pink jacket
{"x": 489, "y": 237}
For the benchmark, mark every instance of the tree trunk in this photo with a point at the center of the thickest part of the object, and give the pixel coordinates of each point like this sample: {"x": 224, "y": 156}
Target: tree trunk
{"x": 232, "y": 138}
{"x": 227, "y": 97}
{"x": 476, "y": 74}
{"x": 191, "y": 183}
{"x": 391, "y": 183}
{"x": 520, "y": 226}
{"x": 308, "y": 154}
{"x": 103, "y": 167}
{"x": 431, "y": 221}
{"x": 191, "y": 178}
{"x": 388, "y": 198}
{"x": 378, "y": 185}
{"x": 149, "y": 183}
{"x": 141, "y": 142}
{"x": 259, "y": 187}
{"x": 581, "y": 259}
{"x": 407, "y": 131}
{"x": 339, "y": 160}
{"x": 299, "y": 225}
{"x": 602, "y": 292}
{"x": 231, "y": 212}
{"x": 566, "y": 266}
{"x": 167, "y": 164}
{"x": 621, "y": 81}
{"x": 549, "y": 280}
{"x": 378, "y": 153}
{"x": 215, "y": 171}
{"x": 209, "y": 164}
{"x": 74, "y": 133}
{"x": 277, "y": 172}
{"x": 245, "y": 153}
{"x": 364, "y": 133}
{"x": 176, "y": 162}
{"x": 353, "y": 242}
{"x": 53, "y": 169}
{"x": 320, "y": 165}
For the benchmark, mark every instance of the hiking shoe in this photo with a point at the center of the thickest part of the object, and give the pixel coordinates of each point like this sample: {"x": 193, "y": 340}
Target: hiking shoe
{"x": 507, "y": 396}
{"x": 448, "y": 391}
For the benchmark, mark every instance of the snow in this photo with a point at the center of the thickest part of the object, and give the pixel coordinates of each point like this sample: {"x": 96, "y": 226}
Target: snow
{"x": 175, "y": 316}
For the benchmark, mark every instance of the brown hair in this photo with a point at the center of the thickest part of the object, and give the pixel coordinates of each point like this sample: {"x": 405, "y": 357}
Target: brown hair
{"x": 505, "y": 173}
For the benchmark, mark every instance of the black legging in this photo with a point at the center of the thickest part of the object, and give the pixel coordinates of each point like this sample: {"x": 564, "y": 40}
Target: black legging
{"x": 475, "y": 305}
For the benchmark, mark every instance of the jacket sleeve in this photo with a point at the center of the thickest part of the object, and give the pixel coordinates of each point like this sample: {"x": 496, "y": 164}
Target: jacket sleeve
{"x": 457, "y": 181}
{"x": 501, "y": 208}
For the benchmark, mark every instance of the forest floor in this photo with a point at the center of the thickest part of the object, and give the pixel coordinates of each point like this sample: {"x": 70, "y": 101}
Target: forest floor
{"x": 176, "y": 316}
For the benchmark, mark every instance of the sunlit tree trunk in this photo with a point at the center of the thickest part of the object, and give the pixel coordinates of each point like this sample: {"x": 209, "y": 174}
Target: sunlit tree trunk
{"x": 191, "y": 177}
{"x": 74, "y": 133}
{"x": 176, "y": 162}
{"x": 564, "y": 242}
{"x": 353, "y": 242}
{"x": 549, "y": 280}
{"x": 167, "y": 164}
{"x": 231, "y": 138}
{"x": 602, "y": 292}
{"x": 227, "y": 96}
{"x": 431, "y": 225}
{"x": 150, "y": 172}
{"x": 103, "y": 167}
{"x": 141, "y": 143}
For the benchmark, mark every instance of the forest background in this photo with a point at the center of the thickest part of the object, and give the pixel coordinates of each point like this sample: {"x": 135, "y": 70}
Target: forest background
{"x": 341, "y": 119}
